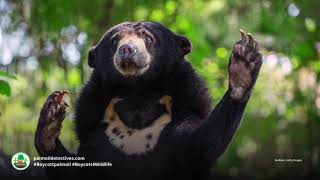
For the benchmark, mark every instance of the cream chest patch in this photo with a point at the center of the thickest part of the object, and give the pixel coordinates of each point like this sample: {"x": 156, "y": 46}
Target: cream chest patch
{"x": 135, "y": 141}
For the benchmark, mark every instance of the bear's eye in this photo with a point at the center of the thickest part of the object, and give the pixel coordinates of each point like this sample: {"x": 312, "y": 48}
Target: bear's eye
{"x": 114, "y": 41}
{"x": 147, "y": 39}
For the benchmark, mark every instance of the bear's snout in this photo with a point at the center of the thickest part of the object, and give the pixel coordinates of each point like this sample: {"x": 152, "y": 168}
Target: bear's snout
{"x": 127, "y": 51}
{"x": 131, "y": 57}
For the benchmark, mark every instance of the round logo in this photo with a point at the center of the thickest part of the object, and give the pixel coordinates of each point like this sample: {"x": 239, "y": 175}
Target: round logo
{"x": 20, "y": 161}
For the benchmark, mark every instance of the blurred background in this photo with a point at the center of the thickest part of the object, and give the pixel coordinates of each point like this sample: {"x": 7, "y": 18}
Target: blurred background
{"x": 44, "y": 45}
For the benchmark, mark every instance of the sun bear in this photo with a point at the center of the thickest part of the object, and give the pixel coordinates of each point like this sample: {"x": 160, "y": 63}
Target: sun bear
{"x": 146, "y": 111}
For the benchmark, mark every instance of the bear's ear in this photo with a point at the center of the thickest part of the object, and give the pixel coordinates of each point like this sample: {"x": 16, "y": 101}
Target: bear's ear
{"x": 184, "y": 44}
{"x": 92, "y": 57}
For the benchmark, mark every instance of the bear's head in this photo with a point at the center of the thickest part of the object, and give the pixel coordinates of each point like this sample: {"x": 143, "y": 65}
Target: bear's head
{"x": 134, "y": 50}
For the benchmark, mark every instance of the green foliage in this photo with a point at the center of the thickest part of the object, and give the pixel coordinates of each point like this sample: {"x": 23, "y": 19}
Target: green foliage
{"x": 74, "y": 78}
{"x": 4, "y": 85}
{"x": 6, "y": 75}
{"x": 5, "y": 88}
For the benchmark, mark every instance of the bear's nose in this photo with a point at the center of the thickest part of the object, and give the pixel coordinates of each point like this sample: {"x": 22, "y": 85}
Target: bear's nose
{"x": 128, "y": 50}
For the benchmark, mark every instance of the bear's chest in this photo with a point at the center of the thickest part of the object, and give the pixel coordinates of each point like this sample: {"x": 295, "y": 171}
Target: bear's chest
{"x": 136, "y": 130}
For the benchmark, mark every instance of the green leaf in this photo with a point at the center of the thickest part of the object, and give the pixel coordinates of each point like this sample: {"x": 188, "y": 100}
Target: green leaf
{"x": 5, "y": 88}
{"x": 222, "y": 52}
{"x": 310, "y": 25}
{"x": 74, "y": 77}
{"x": 5, "y": 74}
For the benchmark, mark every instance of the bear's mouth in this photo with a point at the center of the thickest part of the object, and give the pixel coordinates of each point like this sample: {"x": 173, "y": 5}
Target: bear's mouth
{"x": 134, "y": 65}
{"x": 132, "y": 68}
{"x": 130, "y": 65}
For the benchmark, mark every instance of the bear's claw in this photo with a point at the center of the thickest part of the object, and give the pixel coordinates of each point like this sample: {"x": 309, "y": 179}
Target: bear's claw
{"x": 244, "y": 65}
{"x": 49, "y": 125}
